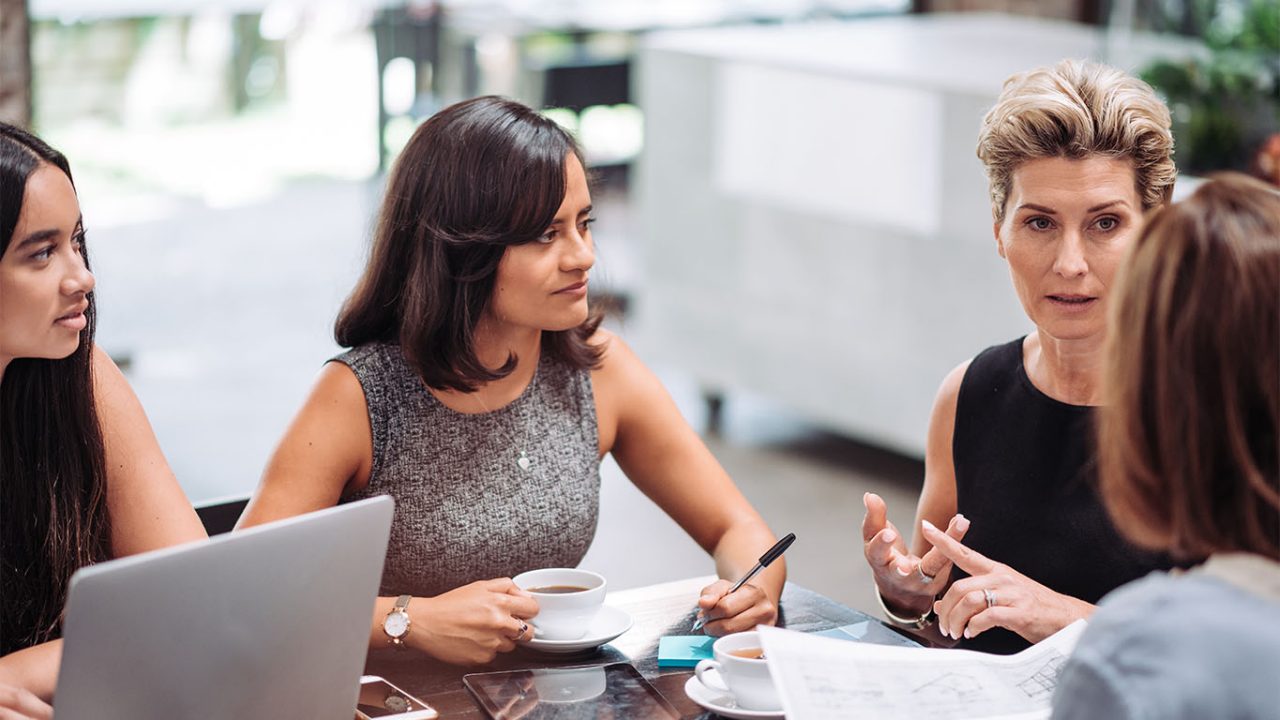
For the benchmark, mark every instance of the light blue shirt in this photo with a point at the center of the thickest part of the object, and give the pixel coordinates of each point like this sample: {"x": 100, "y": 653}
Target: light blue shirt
{"x": 1193, "y": 646}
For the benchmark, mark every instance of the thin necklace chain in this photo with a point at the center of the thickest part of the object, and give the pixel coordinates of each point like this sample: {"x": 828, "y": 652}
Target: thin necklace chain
{"x": 524, "y": 462}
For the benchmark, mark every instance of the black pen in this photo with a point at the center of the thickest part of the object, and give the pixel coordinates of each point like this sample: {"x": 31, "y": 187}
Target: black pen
{"x": 773, "y": 554}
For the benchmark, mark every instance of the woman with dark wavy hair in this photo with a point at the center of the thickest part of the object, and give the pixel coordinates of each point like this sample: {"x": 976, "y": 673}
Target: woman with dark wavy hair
{"x": 82, "y": 478}
{"x": 482, "y": 394}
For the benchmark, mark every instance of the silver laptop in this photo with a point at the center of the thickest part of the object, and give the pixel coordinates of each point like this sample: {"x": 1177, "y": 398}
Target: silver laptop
{"x": 269, "y": 622}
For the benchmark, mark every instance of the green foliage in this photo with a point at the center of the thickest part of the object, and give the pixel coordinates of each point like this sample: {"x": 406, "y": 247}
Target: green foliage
{"x": 1226, "y": 103}
{"x": 1257, "y": 31}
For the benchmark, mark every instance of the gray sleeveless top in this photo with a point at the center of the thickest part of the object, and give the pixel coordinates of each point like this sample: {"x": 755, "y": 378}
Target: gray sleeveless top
{"x": 465, "y": 508}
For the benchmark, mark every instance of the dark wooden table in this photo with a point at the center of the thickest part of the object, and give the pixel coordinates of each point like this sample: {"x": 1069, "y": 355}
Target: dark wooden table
{"x": 658, "y": 610}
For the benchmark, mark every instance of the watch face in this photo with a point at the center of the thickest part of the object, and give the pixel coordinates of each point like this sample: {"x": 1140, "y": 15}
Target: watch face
{"x": 396, "y": 624}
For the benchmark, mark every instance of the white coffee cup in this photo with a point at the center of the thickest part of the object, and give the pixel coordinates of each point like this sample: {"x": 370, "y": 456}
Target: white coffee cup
{"x": 563, "y": 615}
{"x": 746, "y": 679}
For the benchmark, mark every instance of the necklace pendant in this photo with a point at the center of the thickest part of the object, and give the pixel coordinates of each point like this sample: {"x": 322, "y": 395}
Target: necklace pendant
{"x": 524, "y": 462}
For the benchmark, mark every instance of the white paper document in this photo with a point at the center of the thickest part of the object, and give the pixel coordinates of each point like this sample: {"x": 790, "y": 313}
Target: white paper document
{"x": 822, "y": 678}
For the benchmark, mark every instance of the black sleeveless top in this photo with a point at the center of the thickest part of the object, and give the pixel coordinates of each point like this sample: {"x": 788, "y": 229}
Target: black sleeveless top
{"x": 1025, "y": 479}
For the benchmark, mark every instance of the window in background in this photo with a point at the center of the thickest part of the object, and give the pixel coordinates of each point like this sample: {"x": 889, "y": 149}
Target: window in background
{"x": 224, "y": 164}
{"x": 228, "y": 164}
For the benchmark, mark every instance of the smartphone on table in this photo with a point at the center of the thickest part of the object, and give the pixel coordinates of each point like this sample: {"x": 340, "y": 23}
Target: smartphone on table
{"x": 380, "y": 699}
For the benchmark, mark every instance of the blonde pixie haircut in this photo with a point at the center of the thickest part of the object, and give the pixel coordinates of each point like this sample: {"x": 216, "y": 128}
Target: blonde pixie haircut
{"x": 1076, "y": 109}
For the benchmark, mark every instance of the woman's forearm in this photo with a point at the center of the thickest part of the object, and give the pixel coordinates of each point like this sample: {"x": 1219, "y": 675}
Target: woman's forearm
{"x": 34, "y": 669}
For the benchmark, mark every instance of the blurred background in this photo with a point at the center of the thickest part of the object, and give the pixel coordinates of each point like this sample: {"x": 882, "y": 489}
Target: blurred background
{"x": 793, "y": 229}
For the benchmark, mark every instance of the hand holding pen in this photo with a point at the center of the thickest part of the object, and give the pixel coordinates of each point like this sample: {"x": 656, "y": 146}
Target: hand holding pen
{"x": 721, "y": 595}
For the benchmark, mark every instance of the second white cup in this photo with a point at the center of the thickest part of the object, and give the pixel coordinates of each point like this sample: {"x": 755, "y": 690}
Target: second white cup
{"x": 743, "y": 670}
{"x": 568, "y": 600}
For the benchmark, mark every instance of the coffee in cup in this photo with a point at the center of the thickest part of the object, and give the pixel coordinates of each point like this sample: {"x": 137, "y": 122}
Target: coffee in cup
{"x": 743, "y": 670}
{"x": 568, "y": 600}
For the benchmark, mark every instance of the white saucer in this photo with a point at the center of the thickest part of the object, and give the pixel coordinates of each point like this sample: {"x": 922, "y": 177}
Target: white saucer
{"x": 721, "y": 704}
{"x": 608, "y": 624}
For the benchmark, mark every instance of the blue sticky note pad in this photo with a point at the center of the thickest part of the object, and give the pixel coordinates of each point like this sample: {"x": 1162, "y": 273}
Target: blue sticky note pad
{"x": 683, "y": 650}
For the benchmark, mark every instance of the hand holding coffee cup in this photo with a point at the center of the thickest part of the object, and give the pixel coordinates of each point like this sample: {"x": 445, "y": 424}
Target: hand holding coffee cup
{"x": 744, "y": 672}
{"x": 568, "y": 600}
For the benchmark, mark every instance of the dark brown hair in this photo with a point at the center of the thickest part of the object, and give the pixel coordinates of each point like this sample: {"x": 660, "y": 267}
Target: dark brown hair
{"x": 477, "y": 177}
{"x": 1188, "y": 438}
{"x": 53, "y": 509}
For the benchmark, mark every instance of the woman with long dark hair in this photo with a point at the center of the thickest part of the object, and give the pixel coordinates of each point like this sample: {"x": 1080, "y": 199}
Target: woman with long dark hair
{"x": 82, "y": 478}
{"x": 482, "y": 394}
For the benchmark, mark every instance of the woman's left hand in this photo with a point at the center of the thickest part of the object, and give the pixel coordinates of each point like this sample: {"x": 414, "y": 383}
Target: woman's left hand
{"x": 743, "y": 610}
{"x": 996, "y": 595}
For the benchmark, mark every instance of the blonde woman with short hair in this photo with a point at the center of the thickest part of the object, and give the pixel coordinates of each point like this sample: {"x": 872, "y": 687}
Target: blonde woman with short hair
{"x": 1075, "y": 154}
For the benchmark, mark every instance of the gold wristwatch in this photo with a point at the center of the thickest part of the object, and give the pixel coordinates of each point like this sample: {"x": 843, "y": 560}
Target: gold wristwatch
{"x": 396, "y": 625}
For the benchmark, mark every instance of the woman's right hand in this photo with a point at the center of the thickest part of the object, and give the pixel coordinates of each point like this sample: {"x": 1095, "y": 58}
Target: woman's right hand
{"x": 472, "y": 624}
{"x": 907, "y": 583}
{"x": 18, "y": 704}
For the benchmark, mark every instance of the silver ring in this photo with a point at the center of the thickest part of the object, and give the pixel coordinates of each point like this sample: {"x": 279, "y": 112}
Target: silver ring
{"x": 524, "y": 628}
{"x": 925, "y": 577}
{"x": 990, "y": 596}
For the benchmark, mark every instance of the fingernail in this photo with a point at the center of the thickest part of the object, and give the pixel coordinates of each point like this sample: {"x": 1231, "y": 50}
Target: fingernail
{"x": 962, "y": 523}
{"x": 897, "y": 568}
{"x": 928, "y": 525}
{"x": 966, "y": 633}
{"x": 890, "y": 536}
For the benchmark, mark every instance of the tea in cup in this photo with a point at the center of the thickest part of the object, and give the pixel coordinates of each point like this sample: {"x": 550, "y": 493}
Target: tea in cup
{"x": 568, "y": 600}
{"x": 744, "y": 670}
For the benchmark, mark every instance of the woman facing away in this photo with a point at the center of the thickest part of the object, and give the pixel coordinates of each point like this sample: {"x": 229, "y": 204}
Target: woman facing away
{"x": 82, "y": 477}
{"x": 1075, "y": 154}
{"x": 1188, "y": 463}
{"x": 481, "y": 394}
